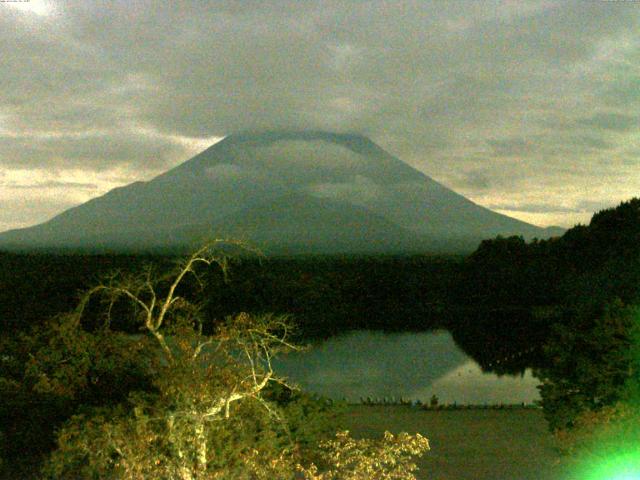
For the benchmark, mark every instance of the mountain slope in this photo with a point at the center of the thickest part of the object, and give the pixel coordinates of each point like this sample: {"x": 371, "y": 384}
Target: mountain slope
{"x": 308, "y": 191}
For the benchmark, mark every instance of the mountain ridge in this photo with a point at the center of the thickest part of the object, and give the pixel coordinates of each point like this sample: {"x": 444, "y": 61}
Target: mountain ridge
{"x": 346, "y": 177}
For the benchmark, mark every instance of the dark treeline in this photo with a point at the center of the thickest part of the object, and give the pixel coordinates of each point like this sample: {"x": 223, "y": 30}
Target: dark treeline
{"x": 325, "y": 294}
{"x": 540, "y": 288}
{"x": 37, "y": 286}
{"x": 330, "y": 295}
{"x": 582, "y": 291}
{"x": 501, "y": 303}
{"x": 587, "y": 265}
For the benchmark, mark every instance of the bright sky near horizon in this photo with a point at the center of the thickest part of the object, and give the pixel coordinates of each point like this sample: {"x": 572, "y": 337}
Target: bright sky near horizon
{"x": 528, "y": 108}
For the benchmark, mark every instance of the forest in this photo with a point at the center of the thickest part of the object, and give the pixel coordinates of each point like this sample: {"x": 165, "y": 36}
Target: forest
{"x": 564, "y": 306}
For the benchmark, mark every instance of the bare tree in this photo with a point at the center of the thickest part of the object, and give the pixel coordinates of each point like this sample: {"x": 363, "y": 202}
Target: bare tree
{"x": 200, "y": 375}
{"x": 142, "y": 290}
{"x": 208, "y": 388}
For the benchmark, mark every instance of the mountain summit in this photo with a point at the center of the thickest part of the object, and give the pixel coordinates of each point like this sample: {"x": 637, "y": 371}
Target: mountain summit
{"x": 287, "y": 192}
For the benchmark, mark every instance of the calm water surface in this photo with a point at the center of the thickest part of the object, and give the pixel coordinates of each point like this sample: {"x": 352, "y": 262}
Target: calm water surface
{"x": 410, "y": 365}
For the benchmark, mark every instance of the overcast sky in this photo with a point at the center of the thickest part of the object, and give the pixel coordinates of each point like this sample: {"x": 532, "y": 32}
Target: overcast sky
{"x": 531, "y": 109}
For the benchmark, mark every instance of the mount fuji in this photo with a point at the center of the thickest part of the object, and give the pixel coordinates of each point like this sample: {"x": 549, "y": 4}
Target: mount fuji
{"x": 287, "y": 192}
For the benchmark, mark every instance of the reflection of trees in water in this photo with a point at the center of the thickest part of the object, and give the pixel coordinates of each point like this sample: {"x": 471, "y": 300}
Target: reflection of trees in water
{"x": 375, "y": 364}
{"x": 502, "y": 340}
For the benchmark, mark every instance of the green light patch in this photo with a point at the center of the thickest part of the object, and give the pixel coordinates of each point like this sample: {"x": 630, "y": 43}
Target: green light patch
{"x": 616, "y": 466}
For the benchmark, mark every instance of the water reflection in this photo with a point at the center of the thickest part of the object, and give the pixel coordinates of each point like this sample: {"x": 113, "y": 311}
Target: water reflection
{"x": 410, "y": 365}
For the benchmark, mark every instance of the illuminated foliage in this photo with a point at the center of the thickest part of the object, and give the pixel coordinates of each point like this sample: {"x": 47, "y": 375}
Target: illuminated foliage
{"x": 345, "y": 458}
{"x": 211, "y": 411}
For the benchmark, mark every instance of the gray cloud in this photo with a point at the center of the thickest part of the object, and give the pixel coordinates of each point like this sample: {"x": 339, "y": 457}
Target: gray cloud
{"x": 477, "y": 180}
{"x": 593, "y": 142}
{"x": 625, "y": 93}
{"x": 91, "y": 151}
{"x": 450, "y": 88}
{"x": 582, "y": 207}
{"x": 40, "y": 211}
{"x": 612, "y": 121}
{"x": 54, "y": 184}
{"x": 550, "y": 144}
{"x": 512, "y": 147}
{"x": 537, "y": 208}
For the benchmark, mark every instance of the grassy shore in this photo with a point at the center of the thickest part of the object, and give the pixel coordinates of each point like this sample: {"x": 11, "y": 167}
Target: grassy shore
{"x": 510, "y": 444}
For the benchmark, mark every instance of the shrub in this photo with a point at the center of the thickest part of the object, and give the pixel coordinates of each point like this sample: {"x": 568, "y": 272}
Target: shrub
{"x": 345, "y": 458}
{"x": 591, "y": 360}
{"x": 214, "y": 408}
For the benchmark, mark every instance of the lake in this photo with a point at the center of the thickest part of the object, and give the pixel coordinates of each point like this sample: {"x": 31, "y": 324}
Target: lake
{"x": 414, "y": 366}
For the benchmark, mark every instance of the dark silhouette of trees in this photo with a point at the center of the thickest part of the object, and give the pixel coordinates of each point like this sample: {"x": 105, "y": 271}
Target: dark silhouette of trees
{"x": 591, "y": 277}
{"x": 589, "y": 363}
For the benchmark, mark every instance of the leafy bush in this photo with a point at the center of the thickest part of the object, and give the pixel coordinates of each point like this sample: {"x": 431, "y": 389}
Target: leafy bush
{"x": 210, "y": 405}
{"x": 344, "y": 458}
{"x": 591, "y": 356}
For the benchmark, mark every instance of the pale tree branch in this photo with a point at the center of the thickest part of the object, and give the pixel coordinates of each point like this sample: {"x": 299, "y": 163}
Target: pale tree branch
{"x": 199, "y": 348}
{"x": 142, "y": 291}
{"x": 205, "y": 255}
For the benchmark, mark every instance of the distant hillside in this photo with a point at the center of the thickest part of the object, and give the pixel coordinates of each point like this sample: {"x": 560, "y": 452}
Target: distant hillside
{"x": 288, "y": 192}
